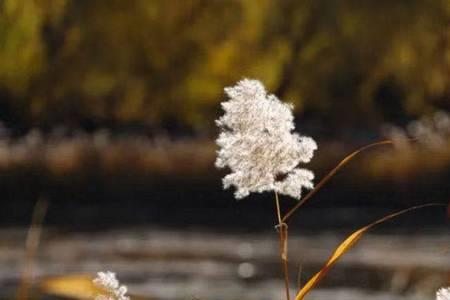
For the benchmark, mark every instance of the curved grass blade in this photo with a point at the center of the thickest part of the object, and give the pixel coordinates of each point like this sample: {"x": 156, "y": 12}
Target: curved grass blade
{"x": 331, "y": 174}
{"x": 346, "y": 245}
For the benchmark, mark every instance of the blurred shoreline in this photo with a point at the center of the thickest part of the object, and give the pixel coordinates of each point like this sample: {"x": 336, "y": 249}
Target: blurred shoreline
{"x": 136, "y": 179}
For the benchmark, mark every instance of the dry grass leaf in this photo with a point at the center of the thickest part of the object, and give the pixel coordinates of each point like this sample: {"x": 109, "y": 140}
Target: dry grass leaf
{"x": 78, "y": 286}
{"x": 72, "y": 286}
{"x": 345, "y": 246}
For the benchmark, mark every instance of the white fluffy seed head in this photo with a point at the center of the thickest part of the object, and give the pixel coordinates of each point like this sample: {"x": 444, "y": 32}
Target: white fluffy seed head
{"x": 108, "y": 282}
{"x": 443, "y": 294}
{"x": 257, "y": 143}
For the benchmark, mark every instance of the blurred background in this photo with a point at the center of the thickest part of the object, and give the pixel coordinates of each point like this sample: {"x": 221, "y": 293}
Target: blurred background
{"x": 107, "y": 111}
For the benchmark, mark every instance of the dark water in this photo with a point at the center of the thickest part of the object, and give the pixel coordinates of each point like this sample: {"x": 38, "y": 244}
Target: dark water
{"x": 190, "y": 240}
{"x": 202, "y": 263}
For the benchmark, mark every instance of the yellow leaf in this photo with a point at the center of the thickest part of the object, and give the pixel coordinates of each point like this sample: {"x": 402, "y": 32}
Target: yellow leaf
{"x": 345, "y": 246}
{"x": 72, "y": 286}
{"x": 78, "y": 286}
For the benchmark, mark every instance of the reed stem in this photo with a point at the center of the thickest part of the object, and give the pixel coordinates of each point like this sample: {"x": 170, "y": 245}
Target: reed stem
{"x": 283, "y": 232}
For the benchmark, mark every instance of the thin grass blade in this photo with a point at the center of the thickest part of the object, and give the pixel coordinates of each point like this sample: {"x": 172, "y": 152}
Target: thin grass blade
{"x": 330, "y": 174}
{"x": 345, "y": 246}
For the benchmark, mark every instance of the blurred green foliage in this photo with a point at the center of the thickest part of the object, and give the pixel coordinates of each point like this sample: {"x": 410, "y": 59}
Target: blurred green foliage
{"x": 157, "y": 62}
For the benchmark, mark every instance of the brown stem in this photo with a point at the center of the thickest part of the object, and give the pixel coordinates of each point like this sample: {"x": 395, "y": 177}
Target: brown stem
{"x": 299, "y": 277}
{"x": 31, "y": 245}
{"x": 277, "y": 203}
{"x": 282, "y": 229}
{"x": 330, "y": 175}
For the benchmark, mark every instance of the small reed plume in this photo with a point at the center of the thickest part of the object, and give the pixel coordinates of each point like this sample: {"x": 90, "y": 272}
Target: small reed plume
{"x": 108, "y": 282}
